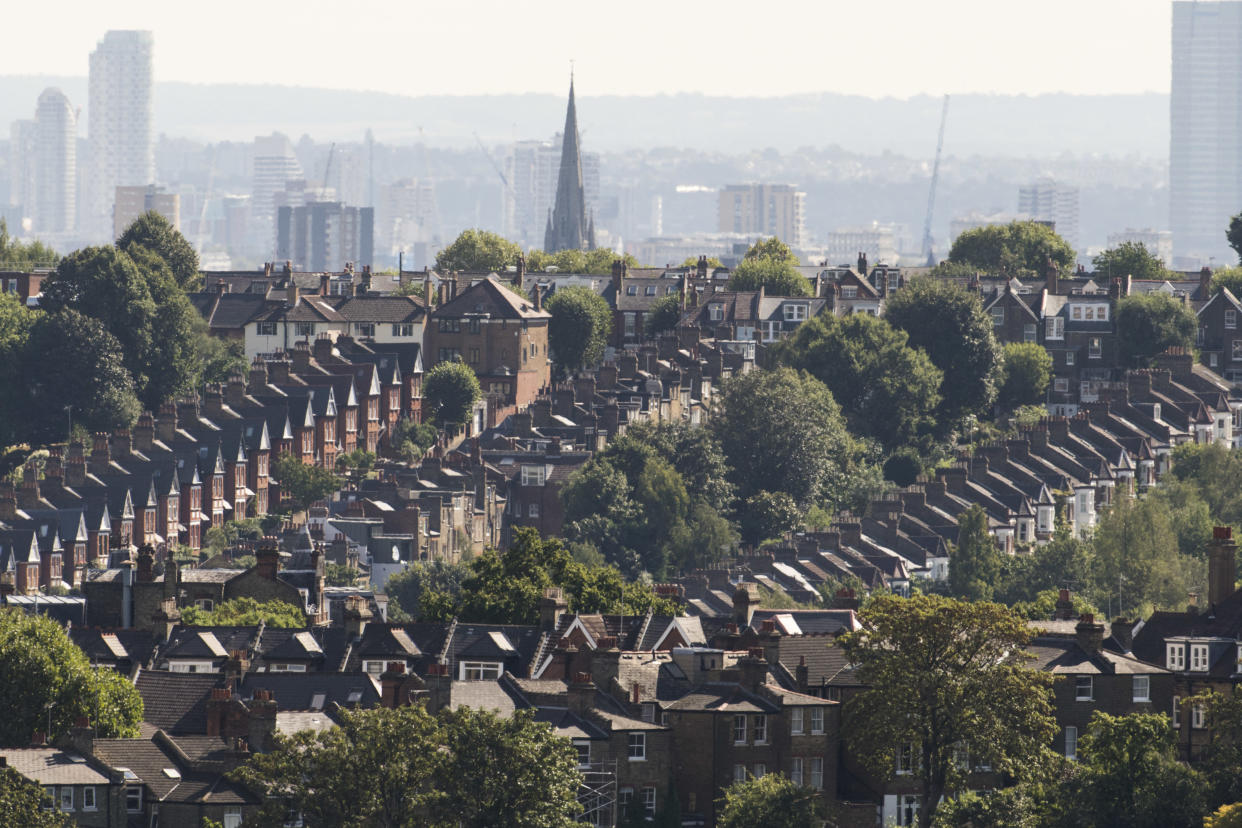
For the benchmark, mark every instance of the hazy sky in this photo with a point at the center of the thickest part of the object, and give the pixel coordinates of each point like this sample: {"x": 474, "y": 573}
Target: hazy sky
{"x": 867, "y": 47}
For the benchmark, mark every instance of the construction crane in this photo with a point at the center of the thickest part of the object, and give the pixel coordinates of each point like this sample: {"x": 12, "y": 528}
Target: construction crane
{"x": 327, "y": 167}
{"x": 931, "y": 195}
{"x": 504, "y": 180}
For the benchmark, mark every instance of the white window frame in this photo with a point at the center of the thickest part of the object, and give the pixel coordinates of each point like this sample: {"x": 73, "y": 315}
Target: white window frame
{"x": 1198, "y": 717}
{"x": 998, "y": 317}
{"x": 1199, "y": 658}
{"x": 759, "y": 725}
{"x": 1060, "y": 385}
{"x": 133, "y": 799}
{"x": 794, "y": 312}
{"x": 534, "y": 475}
{"x": 481, "y": 670}
{"x": 1095, "y": 347}
{"x": 1141, "y": 689}
{"x": 739, "y": 729}
{"x": 532, "y": 510}
{"x": 1054, "y": 327}
{"x": 795, "y": 721}
{"x": 1177, "y": 712}
{"x": 817, "y": 773}
{"x": 907, "y": 810}
{"x": 265, "y": 328}
{"x": 1084, "y": 688}
{"x": 817, "y": 720}
{"x": 1235, "y": 349}
{"x": 1231, "y": 319}
{"x": 403, "y": 329}
{"x": 1071, "y": 742}
{"x": 795, "y": 770}
{"x": 303, "y": 328}
{"x": 739, "y": 773}
{"x": 88, "y": 798}
{"x": 715, "y": 312}
{"x": 67, "y": 798}
{"x": 1030, "y": 333}
{"x": 849, "y": 291}
{"x": 649, "y": 799}
{"x": 905, "y": 760}
{"x": 636, "y": 747}
{"x": 1069, "y": 357}
{"x": 761, "y": 770}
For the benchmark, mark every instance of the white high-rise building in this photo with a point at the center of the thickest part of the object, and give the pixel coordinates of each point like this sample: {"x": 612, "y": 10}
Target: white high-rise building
{"x": 531, "y": 168}
{"x": 1205, "y": 146}
{"x": 56, "y": 176}
{"x": 1049, "y": 200}
{"x": 275, "y": 165}
{"x": 120, "y": 115}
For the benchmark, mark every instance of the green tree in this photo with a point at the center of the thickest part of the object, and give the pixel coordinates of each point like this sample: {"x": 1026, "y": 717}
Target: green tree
{"x": 15, "y": 255}
{"x": 478, "y": 250}
{"x": 695, "y": 453}
{"x": 1019, "y": 249}
{"x": 246, "y": 612}
{"x": 949, "y": 324}
{"x": 1226, "y": 816}
{"x": 509, "y": 772}
{"x": 1216, "y": 475}
{"x": 975, "y": 562}
{"x": 777, "y": 278}
{"x": 303, "y": 484}
{"x": 381, "y": 767}
{"x": 410, "y": 440}
{"x": 406, "y": 588}
{"x": 15, "y": 323}
{"x": 767, "y": 515}
{"x": 1130, "y": 259}
{"x": 1044, "y": 607}
{"x": 23, "y": 802}
{"x": 579, "y": 328}
{"x": 1230, "y": 277}
{"x": 1149, "y": 324}
{"x": 781, "y": 431}
{"x": 943, "y": 676}
{"x": 339, "y": 575}
{"x": 1131, "y": 777}
{"x": 772, "y": 801}
{"x": 712, "y": 262}
{"x": 1234, "y": 235}
{"x": 1026, "y": 373}
{"x": 886, "y": 389}
{"x": 1136, "y": 552}
{"x": 664, "y": 314}
{"x": 42, "y": 674}
{"x": 705, "y": 538}
{"x": 772, "y": 249}
{"x": 596, "y": 262}
{"x": 154, "y": 232}
{"x": 72, "y": 365}
{"x": 450, "y": 390}
{"x": 505, "y": 587}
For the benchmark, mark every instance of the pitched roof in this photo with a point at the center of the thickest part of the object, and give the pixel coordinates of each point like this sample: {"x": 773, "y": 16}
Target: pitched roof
{"x": 176, "y": 702}
{"x": 491, "y": 297}
{"x": 50, "y": 766}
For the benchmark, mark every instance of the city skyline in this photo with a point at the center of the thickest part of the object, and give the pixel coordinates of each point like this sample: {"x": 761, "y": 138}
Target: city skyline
{"x": 1108, "y": 47}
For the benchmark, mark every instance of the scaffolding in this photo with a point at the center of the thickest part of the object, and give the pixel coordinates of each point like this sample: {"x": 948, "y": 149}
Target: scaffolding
{"x": 598, "y": 793}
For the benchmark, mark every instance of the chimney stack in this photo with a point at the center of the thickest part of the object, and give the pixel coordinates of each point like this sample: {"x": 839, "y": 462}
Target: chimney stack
{"x": 1222, "y": 565}
{"x": 1090, "y": 635}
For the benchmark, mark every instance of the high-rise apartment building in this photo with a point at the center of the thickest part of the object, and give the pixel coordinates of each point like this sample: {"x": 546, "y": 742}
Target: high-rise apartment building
{"x": 22, "y": 143}
{"x": 1205, "y": 142}
{"x": 55, "y": 168}
{"x": 766, "y": 209}
{"x": 1049, "y": 200}
{"x": 120, "y": 114}
{"x": 132, "y": 202}
{"x": 532, "y": 169}
{"x": 274, "y": 165}
{"x": 325, "y": 235}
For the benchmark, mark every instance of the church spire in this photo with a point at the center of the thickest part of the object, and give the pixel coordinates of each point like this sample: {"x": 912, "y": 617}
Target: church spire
{"x": 568, "y": 229}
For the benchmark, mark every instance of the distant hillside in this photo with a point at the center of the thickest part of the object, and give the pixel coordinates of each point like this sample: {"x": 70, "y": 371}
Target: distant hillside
{"x": 1116, "y": 125}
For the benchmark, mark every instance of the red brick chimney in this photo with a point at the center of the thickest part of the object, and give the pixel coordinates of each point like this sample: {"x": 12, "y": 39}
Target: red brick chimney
{"x": 267, "y": 559}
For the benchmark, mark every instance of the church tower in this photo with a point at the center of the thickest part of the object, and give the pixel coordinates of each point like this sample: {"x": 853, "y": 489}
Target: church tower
{"x": 567, "y": 225}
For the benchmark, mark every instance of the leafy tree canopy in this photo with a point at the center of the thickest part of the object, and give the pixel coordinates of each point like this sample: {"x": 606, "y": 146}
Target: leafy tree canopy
{"x": 695, "y": 453}
{"x": 246, "y": 612}
{"x": 664, "y": 314}
{"x": 772, "y": 801}
{"x": 1227, "y": 277}
{"x": 712, "y": 262}
{"x": 776, "y": 277}
{"x": 579, "y": 327}
{"x": 23, "y": 803}
{"x": 596, "y": 262}
{"x": 405, "y": 589}
{"x": 17, "y": 255}
{"x": 942, "y": 675}
{"x": 505, "y": 587}
{"x": 1019, "y": 249}
{"x": 1026, "y": 373}
{"x": 886, "y": 389}
{"x": 1149, "y": 324}
{"x": 1130, "y": 259}
{"x": 40, "y": 666}
{"x": 975, "y": 562}
{"x": 772, "y": 249}
{"x": 302, "y": 483}
{"x": 766, "y": 515}
{"x": 1234, "y": 235}
{"x": 154, "y": 232}
{"x": 410, "y": 440}
{"x": 450, "y": 390}
{"x": 478, "y": 250}
{"x": 949, "y": 324}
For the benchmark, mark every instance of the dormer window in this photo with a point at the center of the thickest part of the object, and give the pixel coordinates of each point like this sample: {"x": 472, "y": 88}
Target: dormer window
{"x": 631, "y": 290}
{"x": 715, "y": 312}
{"x": 849, "y": 292}
{"x": 1199, "y": 657}
{"x": 1175, "y": 656}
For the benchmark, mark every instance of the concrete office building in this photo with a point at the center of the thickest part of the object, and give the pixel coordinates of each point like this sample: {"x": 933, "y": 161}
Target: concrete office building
{"x": 120, "y": 115}
{"x": 765, "y": 209}
{"x": 1205, "y": 142}
{"x": 132, "y": 202}
{"x": 1049, "y": 200}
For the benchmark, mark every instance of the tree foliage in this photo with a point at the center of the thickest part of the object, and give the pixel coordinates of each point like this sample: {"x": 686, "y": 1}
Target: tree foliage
{"x": 1149, "y": 324}
{"x": 506, "y": 587}
{"x": 772, "y": 249}
{"x": 478, "y": 250}
{"x": 406, "y": 589}
{"x": 1130, "y": 259}
{"x": 596, "y": 262}
{"x": 777, "y": 278}
{"x": 1018, "y": 249}
{"x": 975, "y": 562}
{"x": 886, "y": 389}
{"x": 949, "y": 324}
{"x": 23, "y": 803}
{"x": 303, "y": 484}
{"x": 154, "y": 232}
{"x": 772, "y": 801}
{"x": 782, "y": 431}
{"x": 246, "y": 612}
{"x": 1227, "y": 277}
{"x": 942, "y": 676}
{"x": 663, "y": 315}
{"x": 579, "y": 328}
{"x": 450, "y": 390}
{"x": 1234, "y": 235}
{"x": 41, "y": 667}
{"x": 1025, "y": 376}
{"x": 16, "y": 255}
